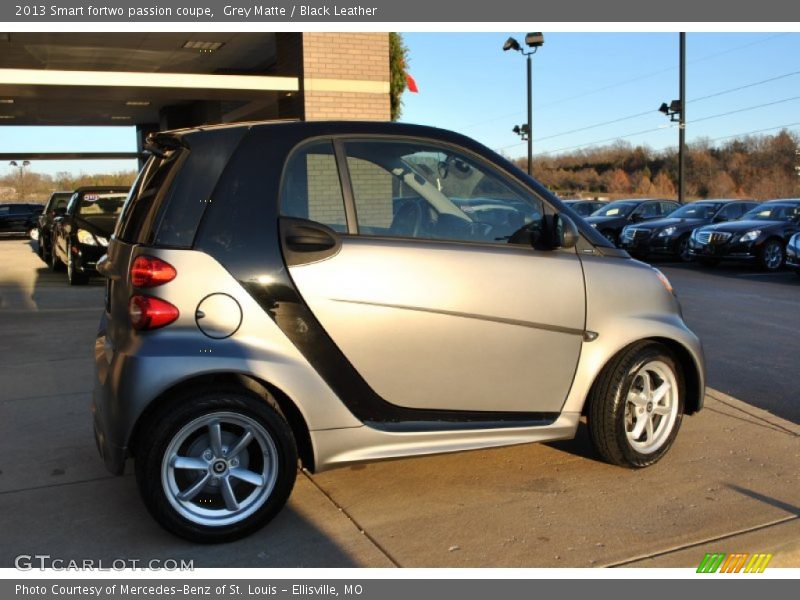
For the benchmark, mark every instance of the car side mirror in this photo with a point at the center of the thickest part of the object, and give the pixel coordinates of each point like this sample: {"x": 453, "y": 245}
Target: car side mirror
{"x": 566, "y": 232}
{"x": 636, "y": 217}
{"x": 720, "y": 219}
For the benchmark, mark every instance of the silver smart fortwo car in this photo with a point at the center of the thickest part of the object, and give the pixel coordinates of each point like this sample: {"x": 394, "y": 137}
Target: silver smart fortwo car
{"x": 343, "y": 292}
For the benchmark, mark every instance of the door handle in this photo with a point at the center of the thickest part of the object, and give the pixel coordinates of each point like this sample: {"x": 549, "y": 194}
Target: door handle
{"x": 310, "y": 241}
{"x": 306, "y": 241}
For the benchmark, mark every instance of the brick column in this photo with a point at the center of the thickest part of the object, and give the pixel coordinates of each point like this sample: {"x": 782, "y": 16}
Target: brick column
{"x": 346, "y": 76}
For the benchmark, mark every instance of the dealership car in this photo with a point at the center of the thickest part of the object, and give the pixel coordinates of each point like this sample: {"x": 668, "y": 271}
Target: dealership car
{"x": 611, "y": 218}
{"x": 56, "y": 206}
{"x": 18, "y": 218}
{"x": 584, "y": 208}
{"x": 759, "y": 236}
{"x": 793, "y": 253}
{"x": 670, "y": 236}
{"x": 80, "y": 235}
{"x": 269, "y": 298}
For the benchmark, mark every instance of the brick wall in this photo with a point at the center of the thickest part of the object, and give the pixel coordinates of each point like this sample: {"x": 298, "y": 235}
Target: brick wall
{"x": 325, "y": 203}
{"x": 372, "y": 192}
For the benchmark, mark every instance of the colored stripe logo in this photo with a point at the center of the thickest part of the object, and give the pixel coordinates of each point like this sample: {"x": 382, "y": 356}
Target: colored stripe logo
{"x": 719, "y": 562}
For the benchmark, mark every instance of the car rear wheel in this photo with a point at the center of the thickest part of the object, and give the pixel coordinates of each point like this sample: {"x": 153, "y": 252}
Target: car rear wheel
{"x": 217, "y": 466}
{"x": 636, "y": 406}
{"x": 771, "y": 256}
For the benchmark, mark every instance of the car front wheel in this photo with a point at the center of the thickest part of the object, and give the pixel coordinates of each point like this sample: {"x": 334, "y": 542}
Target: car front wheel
{"x": 771, "y": 256}
{"x": 217, "y": 466}
{"x": 55, "y": 263}
{"x": 636, "y": 406}
{"x": 682, "y": 251}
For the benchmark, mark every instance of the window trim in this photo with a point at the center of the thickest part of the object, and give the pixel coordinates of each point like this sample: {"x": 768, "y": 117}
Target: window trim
{"x": 339, "y": 142}
{"x": 348, "y": 205}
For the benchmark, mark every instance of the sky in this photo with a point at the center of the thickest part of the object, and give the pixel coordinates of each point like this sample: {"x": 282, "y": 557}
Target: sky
{"x": 581, "y": 81}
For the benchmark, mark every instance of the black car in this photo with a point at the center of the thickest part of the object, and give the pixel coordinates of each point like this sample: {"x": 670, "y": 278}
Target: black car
{"x": 56, "y": 206}
{"x": 793, "y": 253}
{"x": 80, "y": 235}
{"x": 759, "y": 236}
{"x": 18, "y": 218}
{"x": 610, "y": 219}
{"x": 670, "y": 236}
{"x": 584, "y": 208}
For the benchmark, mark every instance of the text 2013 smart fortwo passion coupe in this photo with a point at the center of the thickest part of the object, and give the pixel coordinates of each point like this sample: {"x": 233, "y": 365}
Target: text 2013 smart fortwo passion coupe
{"x": 344, "y": 292}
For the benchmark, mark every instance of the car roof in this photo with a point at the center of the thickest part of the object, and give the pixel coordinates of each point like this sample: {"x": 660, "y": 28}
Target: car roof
{"x": 721, "y": 200}
{"x": 102, "y": 188}
{"x": 311, "y": 129}
{"x": 783, "y": 201}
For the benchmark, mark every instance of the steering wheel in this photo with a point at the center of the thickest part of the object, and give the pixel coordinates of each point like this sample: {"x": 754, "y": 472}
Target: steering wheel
{"x": 407, "y": 221}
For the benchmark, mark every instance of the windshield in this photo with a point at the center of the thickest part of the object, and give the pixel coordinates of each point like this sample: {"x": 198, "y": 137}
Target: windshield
{"x": 773, "y": 212}
{"x": 696, "y": 210}
{"x": 106, "y": 205}
{"x": 621, "y": 208}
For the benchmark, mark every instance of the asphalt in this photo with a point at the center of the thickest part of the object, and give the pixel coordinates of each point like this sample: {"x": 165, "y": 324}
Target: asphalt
{"x": 749, "y": 322}
{"x": 730, "y": 483}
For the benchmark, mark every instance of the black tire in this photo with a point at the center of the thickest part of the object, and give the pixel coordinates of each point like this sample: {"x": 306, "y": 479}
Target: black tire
{"x": 44, "y": 253}
{"x": 74, "y": 276}
{"x": 610, "y": 236}
{"x": 607, "y": 401}
{"x": 708, "y": 262}
{"x": 181, "y": 410}
{"x": 682, "y": 249}
{"x": 765, "y": 256}
{"x": 56, "y": 266}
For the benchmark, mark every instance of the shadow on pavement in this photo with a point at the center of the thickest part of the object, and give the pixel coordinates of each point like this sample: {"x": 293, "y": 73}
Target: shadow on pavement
{"x": 790, "y": 508}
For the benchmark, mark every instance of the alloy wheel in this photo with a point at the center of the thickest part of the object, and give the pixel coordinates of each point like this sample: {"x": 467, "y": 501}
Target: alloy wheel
{"x": 773, "y": 256}
{"x": 219, "y": 469}
{"x": 651, "y": 407}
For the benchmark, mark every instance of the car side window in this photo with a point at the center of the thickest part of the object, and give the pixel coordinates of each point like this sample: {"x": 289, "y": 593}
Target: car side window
{"x": 731, "y": 212}
{"x": 311, "y": 187}
{"x": 667, "y": 208}
{"x": 648, "y": 210}
{"x": 4, "y": 210}
{"x": 412, "y": 189}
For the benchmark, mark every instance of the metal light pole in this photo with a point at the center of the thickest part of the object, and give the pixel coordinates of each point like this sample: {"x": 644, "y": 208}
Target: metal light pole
{"x": 530, "y": 114}
{"x": 682, "y": 124}
{"x": 676, "y": 111}
{"x": 534, "y": 41}
{"x": 21, "y": 167}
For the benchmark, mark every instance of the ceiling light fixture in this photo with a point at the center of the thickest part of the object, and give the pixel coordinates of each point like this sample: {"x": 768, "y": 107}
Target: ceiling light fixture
{"x": 203, "y": 46}
{"x": 137, "y": 103}
{"x": 6, "y": 101}
{"x": 120, "y": 118}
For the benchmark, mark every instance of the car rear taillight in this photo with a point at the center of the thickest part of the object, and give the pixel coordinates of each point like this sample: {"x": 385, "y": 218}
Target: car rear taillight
{"x": 148, "y": 271}
{"x": 149, "y": 313}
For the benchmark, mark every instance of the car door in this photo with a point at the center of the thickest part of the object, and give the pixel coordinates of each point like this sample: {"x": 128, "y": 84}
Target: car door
{"x": 5, "y": 217}
{"x": 62, "y": 224}
{"x": 429, "y": 295}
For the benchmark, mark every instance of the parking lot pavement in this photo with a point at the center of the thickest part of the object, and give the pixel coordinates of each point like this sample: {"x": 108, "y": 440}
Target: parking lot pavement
{"x": 730, "y": 483}
{"x": 749, "y": 322}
